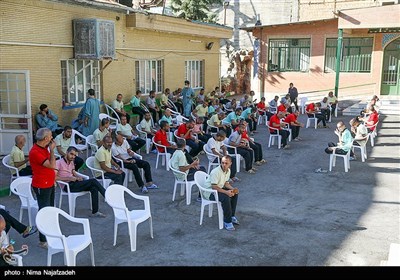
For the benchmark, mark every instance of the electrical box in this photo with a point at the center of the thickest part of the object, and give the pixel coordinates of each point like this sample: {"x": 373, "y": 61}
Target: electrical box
{"x": 94, "y": 39}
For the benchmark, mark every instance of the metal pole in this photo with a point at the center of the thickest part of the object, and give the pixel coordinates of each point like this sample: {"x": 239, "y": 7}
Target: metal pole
{"x": 338, "y": 58}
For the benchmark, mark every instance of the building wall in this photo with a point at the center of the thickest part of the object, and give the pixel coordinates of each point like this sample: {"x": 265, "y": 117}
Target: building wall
{"x": 50, "y": 25}
{"x": 315, "y": 79}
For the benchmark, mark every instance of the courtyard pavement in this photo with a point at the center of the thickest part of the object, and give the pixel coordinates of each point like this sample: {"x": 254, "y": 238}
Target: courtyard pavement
{"x": 290, "y": 215}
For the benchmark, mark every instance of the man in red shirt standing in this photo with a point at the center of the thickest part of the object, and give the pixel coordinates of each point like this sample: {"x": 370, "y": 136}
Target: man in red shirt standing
{"x": 43, "y": 164}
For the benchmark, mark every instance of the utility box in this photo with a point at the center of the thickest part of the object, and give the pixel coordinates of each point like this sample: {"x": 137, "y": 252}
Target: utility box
{"x": 94, "y": 39}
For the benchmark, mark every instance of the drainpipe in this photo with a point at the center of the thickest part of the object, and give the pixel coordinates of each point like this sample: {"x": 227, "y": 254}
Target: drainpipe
{"x": 338, "y": 59}
{"x": 262, "y": 64}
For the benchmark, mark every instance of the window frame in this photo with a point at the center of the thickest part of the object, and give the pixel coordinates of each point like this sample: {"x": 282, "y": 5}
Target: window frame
{"x": 347, "y": 64}
{"x": 289, "y": 49}
{"x": 195, "y": 76}
{"x": 71, "y": 67}
{"x": 145, "y": 82}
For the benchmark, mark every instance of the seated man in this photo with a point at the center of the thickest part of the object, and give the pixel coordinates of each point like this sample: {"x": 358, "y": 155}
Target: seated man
{"x": 294, "y": 124}
{"x": 275, "y": 122}
{"x": 63, "y": 141}
{"x": 46, "y": 118}
{"x": 249, "y": 115}
{"x": 332, "y": 100}
{"x": 146, "y": 125}
{"x": 126, "y": 130}
{"x": 325, "y": 110}
{"x": 314, "y": 109}
{"x": 161, "y": 138}
{"x": 11, "y": 222}
{"x": 185, "y": 131}
{"x": 227, "y": 195}
{"x": 215, "y": 145}
{"x": 66, "y": 172}
{"x": 372, "y": 119}
{"x": 345, "y": 141}
{"x": 118, "y": 107}
{"x": 255, "y": 146}
{"x": 152, "y": 105}
{"x": 122, "y": 150}
{"x": 263, "y": 108}
{"x": 233, "y": 118}
{"x": 17, "y": 157}
{"x": 168, "y": 118}
{"x": 242, "y": 148}
{"x": 359, "y": 132}
{"x": 104, "y": 161}
{"x": 101, "y": 132}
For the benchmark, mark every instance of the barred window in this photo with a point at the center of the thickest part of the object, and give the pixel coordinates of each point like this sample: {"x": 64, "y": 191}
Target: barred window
{"x": 356, "y": 55}
{"x": 194, "y": 72}
{"x": 77, "y": 77}
{"x": 289, "y": 55}
{"x": 149, "y": 75}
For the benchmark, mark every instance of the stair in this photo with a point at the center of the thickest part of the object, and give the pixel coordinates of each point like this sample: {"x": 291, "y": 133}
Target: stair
{"x": 389, "y": 106}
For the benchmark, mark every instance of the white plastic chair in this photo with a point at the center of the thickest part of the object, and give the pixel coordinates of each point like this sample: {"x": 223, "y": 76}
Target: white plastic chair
{"x": 143, "y": 135}
{"x": 128, "y": 172}
{"x": 373, "y": 134}
{"x": 165, "y": 156}
{"x": 185, "y": 185}
{"x": 272, "y": 136}
{"x": 22, "y": 187}
{"x": 211, "y": 163}
{"x": 363, "y": 149}
{"x": 346, "y": 159}
{"x": 200, "y": 178}
{"x": 303, "y": 101}
{"x": 72, "y": 196}
{"x": 113, "y": 121}
{"x": 115, "y": 197}
{"x": 47, "y": 221}
{"x": 90, "y": 164}
{"x": 310, "y": 119}
{"x": 235, "y": 154}
{"x": 209, "y": 126}
{"x": 188, "y": 148}
{"x": 111, "y": 111}
{"x": 6, "y": 163}
{"x": 261, "y": 117}
{"x": 92, "y": 144}
{"x": 80, "y": 147}
{"x": 287, "y": 128}
{"x": 181, "y": 119}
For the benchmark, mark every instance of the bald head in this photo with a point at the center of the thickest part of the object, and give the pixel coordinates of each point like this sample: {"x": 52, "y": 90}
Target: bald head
{"x": 20, "y": 140}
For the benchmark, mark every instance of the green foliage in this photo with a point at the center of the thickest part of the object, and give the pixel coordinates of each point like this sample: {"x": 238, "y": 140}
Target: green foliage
{"x": 195, "y": 9}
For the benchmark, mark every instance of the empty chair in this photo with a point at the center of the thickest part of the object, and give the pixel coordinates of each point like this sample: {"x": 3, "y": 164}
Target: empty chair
{"x": 303, "y": 101}
{"x": 72, "y": 196}
{"x": 115, "y": 197}
{"x": 22, "y": 187}
{"x": 346, "y": 159}
{"x": 48, "y": 223}
{"x": 97, "y": 172}
{"x": 200, "y": 178}
{"x": 181, "y": 179}
{"x": 165, "y": 156}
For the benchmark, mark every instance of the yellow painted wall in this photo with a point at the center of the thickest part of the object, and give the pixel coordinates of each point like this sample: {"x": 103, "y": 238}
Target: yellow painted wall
{"x": 48, "y": 23}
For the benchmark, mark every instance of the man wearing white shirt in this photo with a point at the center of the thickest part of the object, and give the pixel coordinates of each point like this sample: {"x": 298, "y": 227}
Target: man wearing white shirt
{"x": 126, "y": 130}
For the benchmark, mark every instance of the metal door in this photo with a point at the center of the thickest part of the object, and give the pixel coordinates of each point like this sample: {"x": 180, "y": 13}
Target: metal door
{"x": 391, "y": 69}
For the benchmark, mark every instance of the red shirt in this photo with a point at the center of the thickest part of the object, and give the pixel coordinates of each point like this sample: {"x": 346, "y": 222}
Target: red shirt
{"x": 261, "y": 106}
{"x": 310, "y": 108}
{"x": 374, "y": 117}
{"x": 161, "y": 136}
{"x": 281, "y": 108}
{"x": 290, "y": 118}
{"x": 274, "y": 120}
{"x": 244, "y": 134}
{"x": 42, "y": 177}
{"x": 182, "y": 129}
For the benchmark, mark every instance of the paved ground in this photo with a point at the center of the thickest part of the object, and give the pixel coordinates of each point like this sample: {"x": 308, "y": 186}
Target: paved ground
{"x": 290, "y": 215}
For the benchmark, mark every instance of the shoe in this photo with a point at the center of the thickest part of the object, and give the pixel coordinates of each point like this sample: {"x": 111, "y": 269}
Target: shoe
{"x": 326, "y": 126}
{"x": 43, "y": 245}
{"x": 296, "y": 139}
{"x": 352, "y": 158}
{"x": 144, "y": 189}
{"x": 198, "y": 199}
{"x": 29, "y": 231}
{"x": 152, "y": 186}
{"x": 235, "y": 179}
{"x": 235, "y": 221}
{"x": 254, "y": 169}
{"x": 154, "y": 151}
{"x": 299, "y": 138}
{"x": 286, "y": 147}
{"x": 229, "y": 226}
{"x": 258, "y": 163}
{"x": 263, "y": 161}
{"x": 251, "y": 171}
{"x": 251, "y": 133}
{"x": 98, "y": 215}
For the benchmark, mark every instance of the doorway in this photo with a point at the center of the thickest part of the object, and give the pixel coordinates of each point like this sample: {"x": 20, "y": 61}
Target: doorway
{"x": 391, "y": 69}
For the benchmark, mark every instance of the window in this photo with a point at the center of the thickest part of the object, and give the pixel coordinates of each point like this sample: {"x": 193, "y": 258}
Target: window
{"x": 289, "y": 55}
{"x": 149, "y": 75}
{"x": 194, "y": 72}
{"x": 356, "y": 55}
{"x": 77, "y": 77}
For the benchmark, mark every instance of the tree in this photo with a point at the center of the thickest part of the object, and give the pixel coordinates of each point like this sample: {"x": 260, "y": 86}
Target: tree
{"x": 195, "y": 9}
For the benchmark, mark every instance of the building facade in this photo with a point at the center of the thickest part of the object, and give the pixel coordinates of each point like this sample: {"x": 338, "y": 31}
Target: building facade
{"x": 38, "y": 63}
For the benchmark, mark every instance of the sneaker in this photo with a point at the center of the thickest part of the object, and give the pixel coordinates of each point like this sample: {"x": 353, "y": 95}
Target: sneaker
{"x": 229, "y": 226}
{"x": 29, "y": 231}
{"x": 352, "y": 158}
{"x": 198, "y": 199}
{"x": 235, "y": 221}
{"x": 263, "y": 161}
{"x": 258, "y": 163}
{"x": 152, "y": 186}
{"x": 43, "y": 245}
{"x": 286, "y": 147}
{"x": 251, "y": 171}
{"x": 154, "y": 151}
{"x": 235, "y": 179}
{"x": 299, "y": 138}
{"x": 254, "y": 169}
{"x": 296, "y": 139}
{"x": 144, "y": 189}
{"x": 98, "y": 215}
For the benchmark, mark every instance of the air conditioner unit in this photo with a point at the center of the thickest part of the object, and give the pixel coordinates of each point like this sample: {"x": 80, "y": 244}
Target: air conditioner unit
{"x": 94, "y": 39}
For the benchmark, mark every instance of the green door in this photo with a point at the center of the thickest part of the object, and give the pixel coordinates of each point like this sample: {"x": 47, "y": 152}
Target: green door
{"x": 391, "y": 69}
